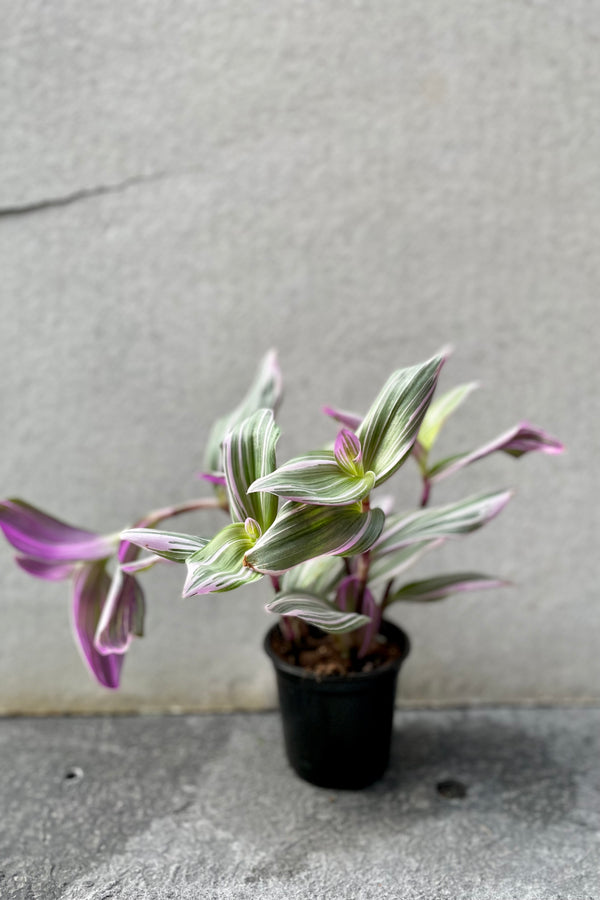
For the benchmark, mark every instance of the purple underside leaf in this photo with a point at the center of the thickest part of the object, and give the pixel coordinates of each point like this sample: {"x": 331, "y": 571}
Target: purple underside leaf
{"x": 316, "y": 611}
{"x": 522, "y": 438}
{"x": 351, "y": 420}
{"x": 216, "y": 478}
{"x": 316, "y": 478}
{"x": 36, "y": 534}
{"x": 301, "y": 532}
{"x": 142, "y": 564}
{"x": 90, "y": 590}
{"x": 47, "y": 571}
{"x": 432, "y": 589}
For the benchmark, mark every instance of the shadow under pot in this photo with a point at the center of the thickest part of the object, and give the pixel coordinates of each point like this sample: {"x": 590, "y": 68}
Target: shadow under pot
{"x": 338, "y": 728}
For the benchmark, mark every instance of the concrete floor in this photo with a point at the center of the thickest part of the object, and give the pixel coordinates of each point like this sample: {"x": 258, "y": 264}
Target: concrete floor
{"x": 206, "y": 807}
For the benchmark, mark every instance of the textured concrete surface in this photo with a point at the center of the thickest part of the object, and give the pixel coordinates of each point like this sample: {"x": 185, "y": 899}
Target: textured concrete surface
{"x": 482, "y": 805}
{"x": 184, "y": 185}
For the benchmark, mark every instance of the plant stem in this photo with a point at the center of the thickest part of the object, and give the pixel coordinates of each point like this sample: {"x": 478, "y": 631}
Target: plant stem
{"x": 168, "y": 512}
{"x": 426, "y": 492}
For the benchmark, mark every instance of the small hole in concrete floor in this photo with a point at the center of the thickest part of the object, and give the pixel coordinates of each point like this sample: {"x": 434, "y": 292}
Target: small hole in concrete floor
{"x": 74, "y": 774}
{"x": 451, "y": 789}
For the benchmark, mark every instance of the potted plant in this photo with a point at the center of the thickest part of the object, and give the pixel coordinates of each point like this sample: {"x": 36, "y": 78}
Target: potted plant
{"x": 317, "y": 527}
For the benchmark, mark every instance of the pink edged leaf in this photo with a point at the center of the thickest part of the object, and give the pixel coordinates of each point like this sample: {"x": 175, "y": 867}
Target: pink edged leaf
{"x": 317, "y": 479}
{"x": 122, "y": 615}
{"x": 431, "y": 589}
{"x": 390, "y": 427}
{"x": 440, "y": 521}
{"x": 351, "y": 420}
{"x": 142, "y": 564}
{"x": 219, "y": 566}
{"x": 348, "y": 453}
{"x": 90, "y": 590}
{"x": 316, "y": 611}
{"x": 248, "y": 455}
{"x": 522, "y": 438}
{"x": 170, "y": 545}
{"x": 388, "y": 565}
{"x": 301, "y": 532}
{"x": 34, "y": 533}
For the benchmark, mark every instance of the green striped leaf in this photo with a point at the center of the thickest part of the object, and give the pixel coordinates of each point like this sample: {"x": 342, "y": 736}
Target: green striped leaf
{"x": 264, "y": 393}
{"x": 318, "y": 576}
{"x": 439, "y": 410}
{"x": 440, "y": 521}
{"x": 219, "y": 566}
{"x": 301, "y": 532}
{"x": 317, "y": 611}
{"x": 389, "y": 430}
{"x": 316, "y": 478}
{"x": 168, "y": 544}
{"x": 248, "y": 454}
{"x": 442, "y": 586}
{"x": 389, "y": 565}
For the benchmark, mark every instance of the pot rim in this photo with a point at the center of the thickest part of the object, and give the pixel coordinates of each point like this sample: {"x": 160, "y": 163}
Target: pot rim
{"x": 387, "y": 628}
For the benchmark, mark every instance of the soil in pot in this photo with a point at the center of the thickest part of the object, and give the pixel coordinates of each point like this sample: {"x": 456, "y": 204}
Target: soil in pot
{"x": 337, "y": 724}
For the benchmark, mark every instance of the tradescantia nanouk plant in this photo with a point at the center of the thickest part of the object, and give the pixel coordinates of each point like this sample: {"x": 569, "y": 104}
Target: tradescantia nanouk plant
{"x": 316, "y": 526}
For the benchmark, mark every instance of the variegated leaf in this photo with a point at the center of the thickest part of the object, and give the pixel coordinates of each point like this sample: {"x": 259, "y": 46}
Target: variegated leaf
{"x": 522, "y": 438}
{"x": 389, "y": 565}
{"x": 301, "y": 532}
{"x": 316, "y": 478}
{"x": 219, "y": 566}
{"x": 440, "y": 521}
{"x": 439, "y": 410}
{"x": 249, "y": 454}
{"x": 319, "y": 576}
{"x": 264, "y": 393}
{"x": 317, "y": 611}
{"x": 389, "y": 430}
{"x": 442, "y": 586}
{"x": 168, "y": 544}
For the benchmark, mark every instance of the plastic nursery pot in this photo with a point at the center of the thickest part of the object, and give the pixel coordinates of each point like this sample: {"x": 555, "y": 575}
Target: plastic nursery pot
{"x": 338, "y": 728}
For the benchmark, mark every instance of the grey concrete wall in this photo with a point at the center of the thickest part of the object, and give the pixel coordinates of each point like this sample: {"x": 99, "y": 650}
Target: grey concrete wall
{"x": 184, "y": 185}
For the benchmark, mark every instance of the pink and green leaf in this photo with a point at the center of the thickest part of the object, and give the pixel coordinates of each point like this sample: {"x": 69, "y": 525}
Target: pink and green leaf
{"x": 316, "y": 478}
{"x": 219, "y": 566}
{"x": 170, "y": 545}
{"x": 315, "y": 610}
{"x": 301, "y": 532}
{"x": 432, "y": 589}
{"x": 390, "y": 427}
{"x": 122, "y": 615}
{"x": 248, "y": 455}
{"x": 522, "y": 438}
{"x": 387, "y": 565}
{"x": 440, "y": 521}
